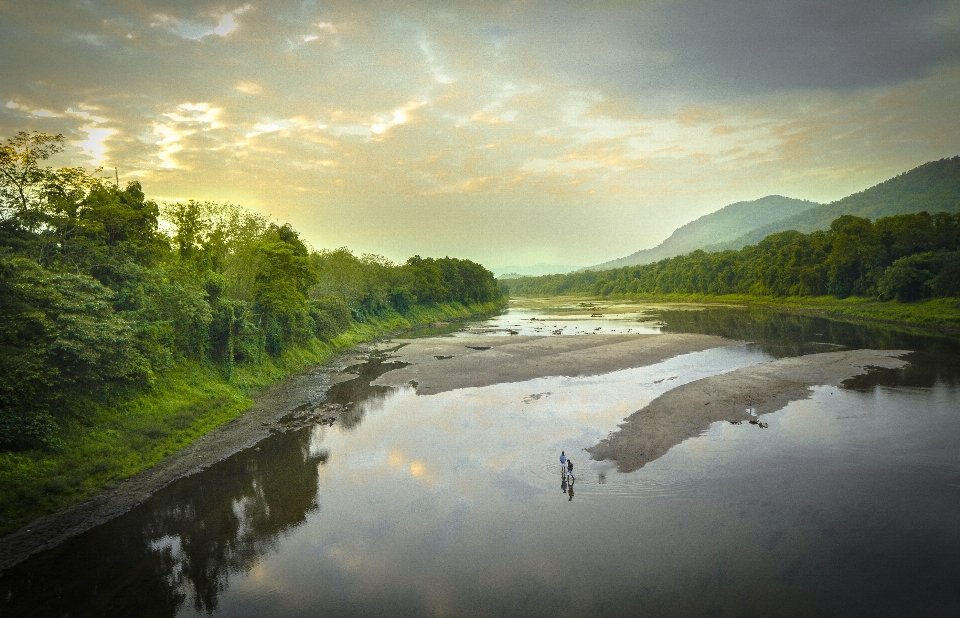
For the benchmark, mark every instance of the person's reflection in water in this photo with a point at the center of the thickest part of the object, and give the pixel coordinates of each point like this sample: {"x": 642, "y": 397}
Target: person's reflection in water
{"x": 570, "y": 493}
{"x": 563, "y": 484}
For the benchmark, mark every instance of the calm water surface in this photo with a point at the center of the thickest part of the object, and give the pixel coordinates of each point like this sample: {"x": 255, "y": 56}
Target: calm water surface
{"x": 452, "y": 504}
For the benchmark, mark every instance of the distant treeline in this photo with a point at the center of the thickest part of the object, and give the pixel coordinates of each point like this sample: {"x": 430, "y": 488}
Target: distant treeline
{"x": 100, "y": 286}
{"x": 903, "y": 257}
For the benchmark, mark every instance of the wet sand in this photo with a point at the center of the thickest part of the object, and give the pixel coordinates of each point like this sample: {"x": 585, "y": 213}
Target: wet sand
{"x": 688, "y": 410}
{"x": 443, "y": 364}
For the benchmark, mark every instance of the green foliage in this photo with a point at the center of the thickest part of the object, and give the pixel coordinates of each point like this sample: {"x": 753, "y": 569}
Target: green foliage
{"x": 906, "y": 257}
{"x": 124, "y": 435}
{"x": 59, "y": 339}
{"x": 96, "y": 298}
{"x": 931, "y": 187}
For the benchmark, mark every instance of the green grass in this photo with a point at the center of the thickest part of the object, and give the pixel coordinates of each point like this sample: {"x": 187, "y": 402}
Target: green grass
{"x": 139, "y": 429}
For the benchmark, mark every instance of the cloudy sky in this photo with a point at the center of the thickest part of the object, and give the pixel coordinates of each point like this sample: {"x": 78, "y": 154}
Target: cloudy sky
{"x": 506, "y": 132}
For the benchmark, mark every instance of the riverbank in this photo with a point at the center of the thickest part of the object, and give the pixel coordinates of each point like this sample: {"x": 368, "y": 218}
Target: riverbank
{"x": 941, "y": 314}
{"x": 192, "y": 418}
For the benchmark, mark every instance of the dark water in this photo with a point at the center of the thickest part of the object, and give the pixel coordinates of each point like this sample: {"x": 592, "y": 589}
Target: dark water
{"x": 452, "y": 505}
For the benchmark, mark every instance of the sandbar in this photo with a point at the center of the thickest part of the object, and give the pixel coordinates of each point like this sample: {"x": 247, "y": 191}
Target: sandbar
{"x": 689, "y": 409}
{"x": 442, "y": 364}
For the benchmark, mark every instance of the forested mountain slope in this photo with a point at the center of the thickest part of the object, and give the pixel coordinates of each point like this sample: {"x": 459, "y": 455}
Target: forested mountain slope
{"x": 903, "y": 257}
{"x": 931, "y": 187}
{"x": 724, "y": 225}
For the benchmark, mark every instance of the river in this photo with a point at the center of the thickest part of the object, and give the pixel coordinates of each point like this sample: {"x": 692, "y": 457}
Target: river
{"x": 452, "y": 504}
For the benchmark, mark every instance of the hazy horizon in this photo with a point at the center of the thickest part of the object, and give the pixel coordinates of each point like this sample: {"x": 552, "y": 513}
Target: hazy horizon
{"x": 510, "y": 133}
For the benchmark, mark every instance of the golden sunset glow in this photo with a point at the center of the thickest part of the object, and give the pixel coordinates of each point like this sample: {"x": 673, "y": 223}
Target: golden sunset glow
{"x": 504, "y": 132}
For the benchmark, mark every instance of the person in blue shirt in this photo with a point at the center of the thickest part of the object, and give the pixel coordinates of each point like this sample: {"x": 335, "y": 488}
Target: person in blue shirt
{"x": 563, "y": 462}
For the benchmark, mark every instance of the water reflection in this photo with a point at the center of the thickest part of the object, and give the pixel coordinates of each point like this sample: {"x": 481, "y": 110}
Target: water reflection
{"x": 447, "y": 505}
{"x": 781, "y": 334}
{"x": 183, "y": 546}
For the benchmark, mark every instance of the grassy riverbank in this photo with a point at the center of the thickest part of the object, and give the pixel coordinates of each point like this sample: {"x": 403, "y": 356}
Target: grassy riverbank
{"x": 129, "y": 432}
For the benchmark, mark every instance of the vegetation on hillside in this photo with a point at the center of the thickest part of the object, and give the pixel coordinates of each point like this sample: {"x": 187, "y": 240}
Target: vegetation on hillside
{"x": 931, "y": 187}
{"x": 722, "y": 226}
{"x": 903, "y": 258}
{"x": 104, "y": 293}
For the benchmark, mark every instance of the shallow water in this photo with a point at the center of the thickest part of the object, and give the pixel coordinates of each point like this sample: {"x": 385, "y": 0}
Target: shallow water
{"x": 452, "y": 504}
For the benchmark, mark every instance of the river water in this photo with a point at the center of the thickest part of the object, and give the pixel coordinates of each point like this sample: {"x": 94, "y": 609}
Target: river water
{"x": 453, "y": 504}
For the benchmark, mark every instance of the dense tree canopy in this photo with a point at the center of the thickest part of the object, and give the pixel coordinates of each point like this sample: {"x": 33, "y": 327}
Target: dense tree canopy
{"x": 902, "y": 257}
{"x": 94, "y": 292}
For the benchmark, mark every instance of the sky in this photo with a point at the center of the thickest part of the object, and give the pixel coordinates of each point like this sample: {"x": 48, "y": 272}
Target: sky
{"x": 510, "y": 133}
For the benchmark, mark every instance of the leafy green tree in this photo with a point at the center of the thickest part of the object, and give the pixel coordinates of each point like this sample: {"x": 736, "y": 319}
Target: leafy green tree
{"x": 856, "y": 251}
{"x": 21, "y": 175}
{"x": 909, "y": 277}
{"x": 60, "y": 339}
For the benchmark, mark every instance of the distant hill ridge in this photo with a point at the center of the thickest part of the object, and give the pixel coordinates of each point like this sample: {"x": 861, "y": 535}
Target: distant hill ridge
{"x": 723, "y": 226}
{"x": 933, "y": 187}
{"x": 508, "y": 272}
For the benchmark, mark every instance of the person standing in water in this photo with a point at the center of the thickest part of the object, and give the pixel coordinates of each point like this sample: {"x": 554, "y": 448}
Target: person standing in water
{"x": 569, "y": 469}
{"x": 563, "y": 463}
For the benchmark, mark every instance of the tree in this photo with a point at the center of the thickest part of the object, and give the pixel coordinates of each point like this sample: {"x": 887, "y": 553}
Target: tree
{"x": 21, "y": 174}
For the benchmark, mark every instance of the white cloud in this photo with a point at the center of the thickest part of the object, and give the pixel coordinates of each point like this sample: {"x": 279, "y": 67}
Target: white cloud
{"x": 95, "y": 145}
{"x": 39, "y": 113}
{"x": 197, "y": 30}
{"x": 193, "y": 117}
{"x": 261, "y": 128}
{"x": 398, "y": 117}
{"x": 200, "y": 113}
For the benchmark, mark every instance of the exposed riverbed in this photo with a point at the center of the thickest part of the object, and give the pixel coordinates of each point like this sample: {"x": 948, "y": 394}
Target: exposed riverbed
{"x": 429, "y": 485}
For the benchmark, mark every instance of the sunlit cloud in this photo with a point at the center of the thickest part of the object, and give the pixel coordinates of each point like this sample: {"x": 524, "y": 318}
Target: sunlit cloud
{"x": 398, "y": 117}
{"x": 506, "y": 135}
{"x": 261, "y": 128}
{"x": 252, "y": 88}
{"x": 169, "y": 143}
{"x": 197, "y": 29}
{"x": 39, "y": 113}
{"x": 94, "y": 146}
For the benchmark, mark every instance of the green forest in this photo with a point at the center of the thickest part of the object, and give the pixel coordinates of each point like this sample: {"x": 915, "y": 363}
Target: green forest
{"x": 902, "y": 258}
{"x": 103, "y": 292}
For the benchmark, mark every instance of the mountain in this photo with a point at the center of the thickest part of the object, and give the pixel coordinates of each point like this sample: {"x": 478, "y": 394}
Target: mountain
{"x": 512, "y": 272}
{"x": 932, "y": 187}
{"x": 724, "y": 225}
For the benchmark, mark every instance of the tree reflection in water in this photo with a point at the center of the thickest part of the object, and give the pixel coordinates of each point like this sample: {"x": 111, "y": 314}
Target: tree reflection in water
{"x": 189, "y": 539}
{"x": 781, "y": 334}
{"x": 185, "y": 542}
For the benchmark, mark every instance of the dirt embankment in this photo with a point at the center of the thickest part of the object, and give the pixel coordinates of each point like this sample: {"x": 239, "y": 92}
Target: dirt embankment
{"x": 443, "y": 364}
{"x": 688, "y": 410}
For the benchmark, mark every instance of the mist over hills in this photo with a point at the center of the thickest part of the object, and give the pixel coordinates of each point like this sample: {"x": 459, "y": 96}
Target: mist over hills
{"x": 723, "y": 226}
{"x": 931, "y": 187}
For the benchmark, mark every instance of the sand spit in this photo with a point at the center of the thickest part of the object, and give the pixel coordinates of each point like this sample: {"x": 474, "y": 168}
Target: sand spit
{"x": 688, "y": 410}
{"x": 443, "y": 364}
